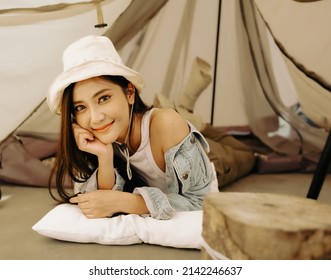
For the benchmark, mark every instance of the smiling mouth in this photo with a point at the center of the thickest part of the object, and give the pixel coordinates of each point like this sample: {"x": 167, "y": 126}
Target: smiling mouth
{"x": 103, "y": 128}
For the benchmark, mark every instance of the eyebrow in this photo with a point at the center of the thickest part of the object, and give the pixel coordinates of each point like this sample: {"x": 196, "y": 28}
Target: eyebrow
{"x": 93, "y": 96}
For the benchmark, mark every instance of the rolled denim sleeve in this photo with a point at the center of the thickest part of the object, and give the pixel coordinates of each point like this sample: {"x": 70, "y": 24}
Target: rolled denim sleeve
{"x": 156, "y": 202}
{"x": 162, "y": 206}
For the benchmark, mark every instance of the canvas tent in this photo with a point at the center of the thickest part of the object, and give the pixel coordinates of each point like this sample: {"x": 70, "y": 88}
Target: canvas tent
{"x": 33, "y": 60}
{"x": 261, "y": 60}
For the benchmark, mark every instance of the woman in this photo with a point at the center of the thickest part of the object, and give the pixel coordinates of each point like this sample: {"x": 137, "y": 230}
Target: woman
{"x": 123, "y": 156}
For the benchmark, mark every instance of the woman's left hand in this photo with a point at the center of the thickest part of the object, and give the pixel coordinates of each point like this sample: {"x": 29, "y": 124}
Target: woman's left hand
{"x": 106, "y": 203}
{"x": 98, "y": 204}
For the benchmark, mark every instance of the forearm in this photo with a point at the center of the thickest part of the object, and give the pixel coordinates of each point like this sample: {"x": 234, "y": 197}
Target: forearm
{"x": 106, "y": 173}
{"x": 132, "y": 204}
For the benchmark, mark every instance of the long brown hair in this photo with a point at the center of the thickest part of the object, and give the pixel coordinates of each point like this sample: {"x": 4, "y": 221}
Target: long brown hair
{"x": 73, "y": 165}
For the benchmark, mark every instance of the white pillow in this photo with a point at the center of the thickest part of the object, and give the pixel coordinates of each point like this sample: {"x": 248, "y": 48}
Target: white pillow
{"x": 183, "y": 230}
{"x": 67, "y": 222}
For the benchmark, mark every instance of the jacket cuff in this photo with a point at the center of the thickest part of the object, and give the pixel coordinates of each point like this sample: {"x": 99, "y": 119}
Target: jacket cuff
{"x": 157, "y": 202}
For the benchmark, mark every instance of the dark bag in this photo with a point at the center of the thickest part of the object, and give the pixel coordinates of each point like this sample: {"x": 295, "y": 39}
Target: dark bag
{"x": 274, "y": 163}
{"x": 21, "y": 160}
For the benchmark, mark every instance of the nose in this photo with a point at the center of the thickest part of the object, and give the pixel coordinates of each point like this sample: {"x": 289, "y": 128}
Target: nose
{"x": 97, "y": 116}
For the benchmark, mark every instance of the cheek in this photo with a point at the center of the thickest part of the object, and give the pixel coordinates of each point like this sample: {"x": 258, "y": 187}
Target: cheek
{"x": 82, "y": 121}
{"x": 119, "y": 111}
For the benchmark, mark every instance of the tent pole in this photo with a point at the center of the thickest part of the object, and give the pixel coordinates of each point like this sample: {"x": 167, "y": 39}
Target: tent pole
{"x": 321, "y": 170}
{"x": 216, "y": 60}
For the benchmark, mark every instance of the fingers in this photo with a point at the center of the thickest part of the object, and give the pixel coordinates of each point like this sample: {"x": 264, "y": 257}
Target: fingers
{"x": 95, "y": 204}
{"x": 73, "y": 200}
{"x": 81, "y": 133}
{"x": 79, "y": 198}
{"x": 83, "y": 203}
{"x": 82, "y": 137}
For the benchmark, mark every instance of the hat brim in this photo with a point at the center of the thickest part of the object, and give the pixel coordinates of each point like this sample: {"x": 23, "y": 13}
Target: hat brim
{"x": 86, "y": 71}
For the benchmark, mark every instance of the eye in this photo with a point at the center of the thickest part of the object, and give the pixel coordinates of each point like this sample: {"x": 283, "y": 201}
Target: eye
{"x": 79, "y": 108}
{"x": 104, "y": 98}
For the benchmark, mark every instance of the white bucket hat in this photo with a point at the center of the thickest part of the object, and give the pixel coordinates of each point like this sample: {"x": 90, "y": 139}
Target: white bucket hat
{"x": 90, "y": 56}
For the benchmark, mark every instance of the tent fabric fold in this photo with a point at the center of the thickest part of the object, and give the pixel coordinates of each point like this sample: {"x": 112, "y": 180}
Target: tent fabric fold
{"x": 8, "y": 6}
{"x": 132, "y": 20}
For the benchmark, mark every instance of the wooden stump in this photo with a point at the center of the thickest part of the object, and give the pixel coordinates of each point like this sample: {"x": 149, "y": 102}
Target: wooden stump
{"x": 266, "y": 226}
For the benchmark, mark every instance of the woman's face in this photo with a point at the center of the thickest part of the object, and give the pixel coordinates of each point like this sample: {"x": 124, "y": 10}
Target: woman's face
{"x": 102, "y": 108}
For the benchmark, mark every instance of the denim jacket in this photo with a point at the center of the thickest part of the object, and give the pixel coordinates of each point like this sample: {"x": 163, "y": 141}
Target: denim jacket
{"x": 189, "y": 175}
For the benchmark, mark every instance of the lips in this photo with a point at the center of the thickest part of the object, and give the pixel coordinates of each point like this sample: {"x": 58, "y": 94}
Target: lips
{"x": 103, "y": 128}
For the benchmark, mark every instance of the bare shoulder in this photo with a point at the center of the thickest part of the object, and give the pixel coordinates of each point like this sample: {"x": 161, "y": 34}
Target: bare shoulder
{"x": 168, "y": 127}
{"x": 167, "y": 117}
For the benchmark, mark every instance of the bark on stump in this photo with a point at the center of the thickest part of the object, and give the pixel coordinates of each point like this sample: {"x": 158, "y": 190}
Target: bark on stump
{"x": 266, "y": 227}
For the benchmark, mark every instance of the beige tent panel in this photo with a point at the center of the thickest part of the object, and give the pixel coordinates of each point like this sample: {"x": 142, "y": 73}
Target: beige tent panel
{"x": 302, "y": 29}
{"x": 314, "y": 99}
{"x": 254, "y": 72}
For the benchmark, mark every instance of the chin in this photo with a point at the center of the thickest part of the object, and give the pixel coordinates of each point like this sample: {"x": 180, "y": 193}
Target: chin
{"x": 106, "y": 139}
